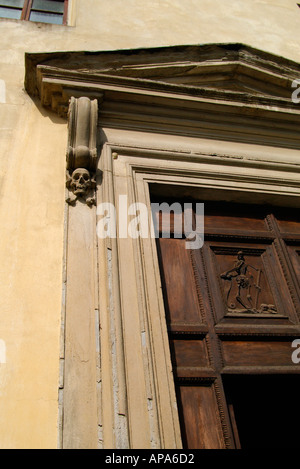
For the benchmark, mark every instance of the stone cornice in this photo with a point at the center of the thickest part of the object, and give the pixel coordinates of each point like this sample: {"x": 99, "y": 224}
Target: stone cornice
{"x": 132, "y": 98}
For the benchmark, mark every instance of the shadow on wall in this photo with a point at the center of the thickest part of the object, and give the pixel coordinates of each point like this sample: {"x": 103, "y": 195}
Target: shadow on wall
{"x": 46, "y": 112}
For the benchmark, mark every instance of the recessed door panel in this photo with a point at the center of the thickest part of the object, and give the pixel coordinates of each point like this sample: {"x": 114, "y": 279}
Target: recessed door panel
{"x": 232, "y": 306}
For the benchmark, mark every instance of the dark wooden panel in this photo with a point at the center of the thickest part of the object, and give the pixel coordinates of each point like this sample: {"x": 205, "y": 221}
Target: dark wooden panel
{"x": 289, "y": 226}
{"x": 189, "y": 353}
{"x": 201, "y": 423}
{"x": 197, "y": 328}
{"x": 181, "y": 299}
{"x": 188, "y": 374}
{"x": 257, "y": 353}
{"x": 295, "y": 258}
{"x": 228, "y": 220}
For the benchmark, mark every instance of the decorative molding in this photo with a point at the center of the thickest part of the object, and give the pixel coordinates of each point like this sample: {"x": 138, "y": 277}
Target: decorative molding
{"x": 253, "y": 104}
{"x": 235, "y": 67}
{"x": 257, "y": 335}
{"x": 234, "y": 250}
{"x": 221, "y": 406}
{"x": 197, "y": 283}
{"x": 270, "y": 225}
{"x": 239, "y": 237}
{"x": 187, "y": 335}
{"x": 203, "y": 380}
{"x": 82, "y": 149}
{"x": 157, "y": 152}
{"x": 280, "y": 251}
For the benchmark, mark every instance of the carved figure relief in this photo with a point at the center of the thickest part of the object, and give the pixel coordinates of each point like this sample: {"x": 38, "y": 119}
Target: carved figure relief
{"x": 244, "y": 288}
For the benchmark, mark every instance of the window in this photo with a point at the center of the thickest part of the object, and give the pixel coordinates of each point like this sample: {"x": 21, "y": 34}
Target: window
{"x": 44, "y": 11}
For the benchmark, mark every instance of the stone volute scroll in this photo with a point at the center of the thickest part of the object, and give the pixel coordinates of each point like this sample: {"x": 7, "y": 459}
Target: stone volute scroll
{"x": 82, "y": 150}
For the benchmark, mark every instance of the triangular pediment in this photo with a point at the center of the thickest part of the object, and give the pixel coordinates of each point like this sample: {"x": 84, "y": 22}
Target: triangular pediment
{"x": 228, "y": 67}
{"x": 219, "y": 91}
{"x": 230, "y": 76}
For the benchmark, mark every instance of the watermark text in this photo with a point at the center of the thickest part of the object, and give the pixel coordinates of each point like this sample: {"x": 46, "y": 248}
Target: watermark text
{"x": 136, "y": 221}
{"x": 296, "y": 353}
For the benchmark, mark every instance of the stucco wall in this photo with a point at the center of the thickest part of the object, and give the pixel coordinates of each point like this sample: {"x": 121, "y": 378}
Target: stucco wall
{"x": 271, "y": 25}
{"x": 32, "y": 161}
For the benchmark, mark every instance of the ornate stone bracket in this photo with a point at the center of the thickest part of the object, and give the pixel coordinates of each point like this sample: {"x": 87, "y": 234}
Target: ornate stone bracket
{"x": 82, "y": 150}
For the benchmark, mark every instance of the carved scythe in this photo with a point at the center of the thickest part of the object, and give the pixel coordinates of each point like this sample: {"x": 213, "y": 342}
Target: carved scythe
{"x": 257, "y": 286}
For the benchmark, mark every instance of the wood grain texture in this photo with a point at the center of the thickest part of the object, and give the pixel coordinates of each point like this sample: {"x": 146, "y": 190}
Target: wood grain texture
{"x": 231, "y": 308}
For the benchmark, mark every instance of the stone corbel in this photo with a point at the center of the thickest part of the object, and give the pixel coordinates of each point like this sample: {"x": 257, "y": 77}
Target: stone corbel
{"x": 82, "y": 150}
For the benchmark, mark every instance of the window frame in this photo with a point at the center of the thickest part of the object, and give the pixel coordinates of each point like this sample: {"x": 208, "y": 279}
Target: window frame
{"x": 27, "y": 9}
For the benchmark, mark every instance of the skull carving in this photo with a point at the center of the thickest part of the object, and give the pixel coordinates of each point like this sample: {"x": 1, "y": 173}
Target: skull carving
{"x": 80, "y": 182}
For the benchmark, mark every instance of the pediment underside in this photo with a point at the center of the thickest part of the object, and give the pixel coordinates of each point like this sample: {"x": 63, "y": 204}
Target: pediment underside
{"x": 233, "y": 76}
{"x": 226, "y": 92}
{"x": 227, "y": 67}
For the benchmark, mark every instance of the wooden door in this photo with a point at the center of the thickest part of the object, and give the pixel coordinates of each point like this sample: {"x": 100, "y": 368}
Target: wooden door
{"x": 232, "y": 311}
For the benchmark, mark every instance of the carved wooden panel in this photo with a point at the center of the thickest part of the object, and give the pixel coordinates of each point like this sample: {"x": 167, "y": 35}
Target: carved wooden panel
{"x": 232, "y": 306}
{"x": 246, "y": 281}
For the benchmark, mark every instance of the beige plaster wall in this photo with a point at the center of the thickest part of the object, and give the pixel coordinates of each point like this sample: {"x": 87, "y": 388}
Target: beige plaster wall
{"x": 271, "y": 25}
{"x": 31, "y": 207}
{"x": 32, "y": 161}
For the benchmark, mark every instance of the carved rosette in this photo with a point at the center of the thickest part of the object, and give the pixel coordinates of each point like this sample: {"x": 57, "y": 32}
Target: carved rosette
{"x": 82, "y": 150}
